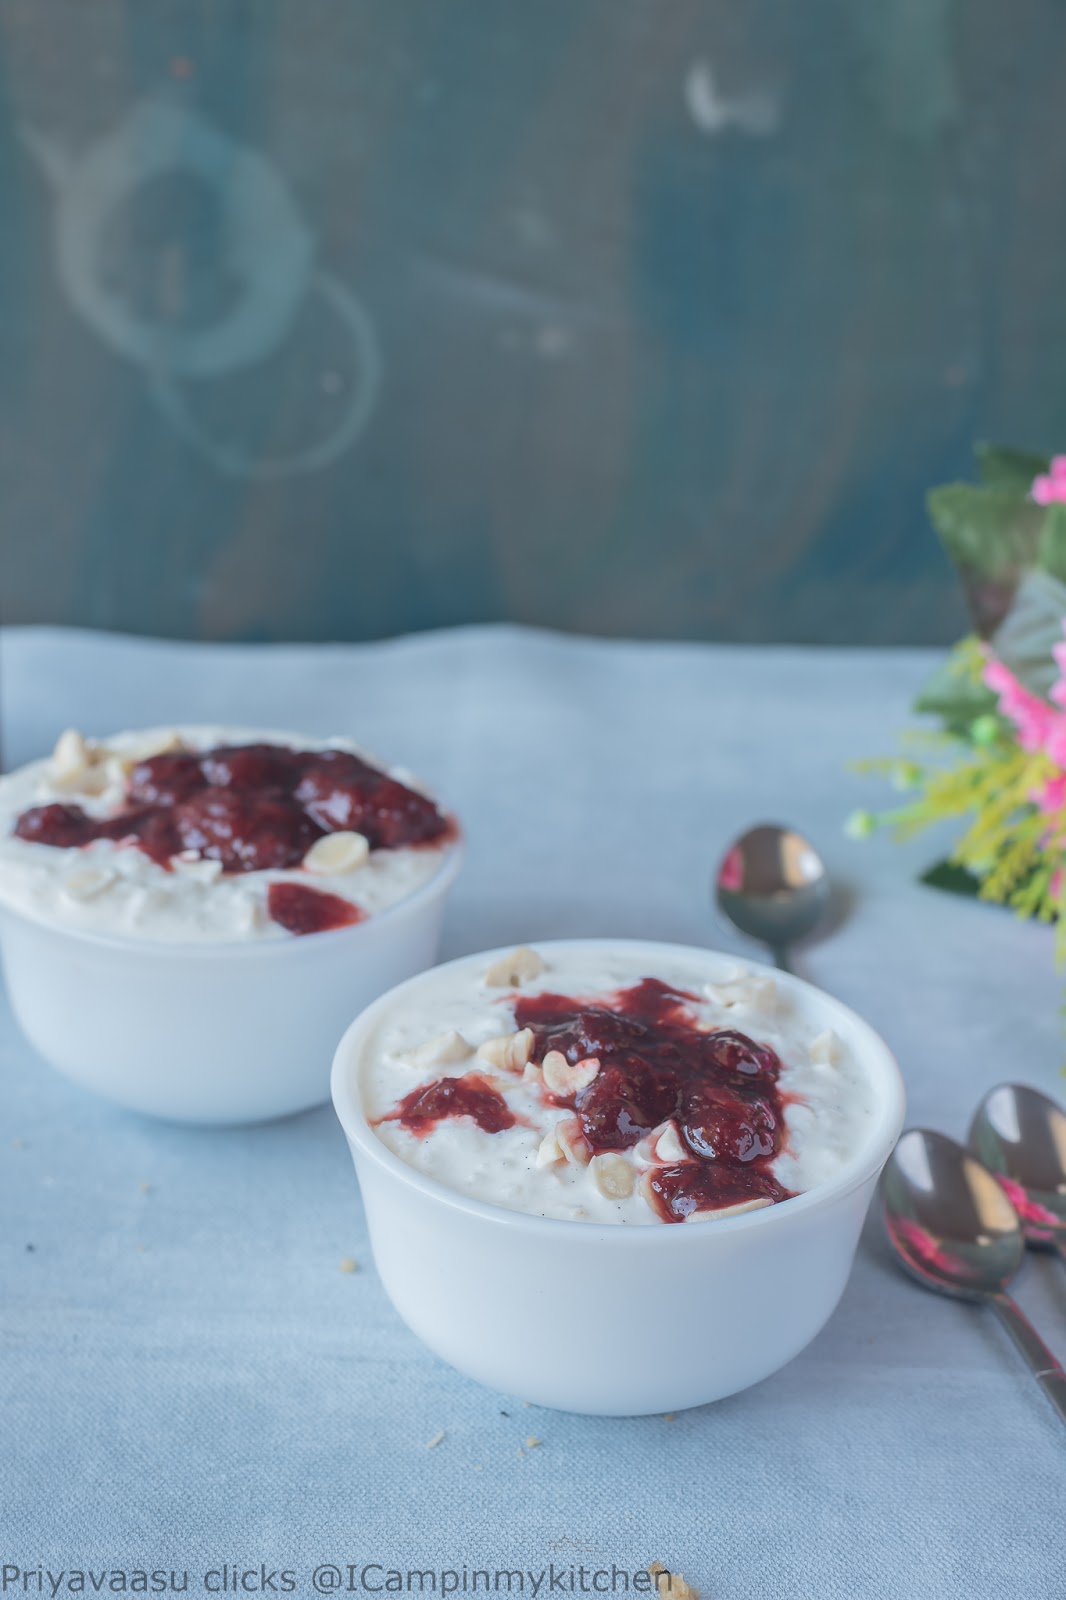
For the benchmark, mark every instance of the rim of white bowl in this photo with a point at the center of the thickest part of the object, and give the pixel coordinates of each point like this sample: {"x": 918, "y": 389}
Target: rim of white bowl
{"x": 857, "y": 1170}
{"x": 439, "y": 883}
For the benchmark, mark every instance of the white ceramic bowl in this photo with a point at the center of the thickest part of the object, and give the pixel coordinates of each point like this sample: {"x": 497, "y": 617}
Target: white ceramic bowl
{"x": 211, "y": 1032}
{"x": 614, "y": 1319}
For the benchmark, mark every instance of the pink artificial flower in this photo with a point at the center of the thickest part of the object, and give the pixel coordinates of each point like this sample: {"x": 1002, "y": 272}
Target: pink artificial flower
{"x": 1033, "y": 717}
{"x": 1055, "y": 743}
{"x": 1051, "y": 796}
{"x": 1050, "y": 486}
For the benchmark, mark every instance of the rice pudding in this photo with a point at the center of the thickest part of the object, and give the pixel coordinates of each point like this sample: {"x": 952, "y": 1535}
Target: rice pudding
{"x": 584, "y": 1084}
{"x": 210, "y": 833}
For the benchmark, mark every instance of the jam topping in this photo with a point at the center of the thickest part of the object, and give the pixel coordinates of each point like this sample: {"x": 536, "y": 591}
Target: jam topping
{"x": 253, "y": 808}
{"x": 340, "y": 790}
{"x": 300, "y": 909}
{"x": 656, "y": 1065}
{"x": 468, "y": 1096}
{"x": 247, "y": 832}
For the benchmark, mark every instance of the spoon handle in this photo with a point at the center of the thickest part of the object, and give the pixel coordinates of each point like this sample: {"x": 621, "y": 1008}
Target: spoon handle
{"x": 1049, "y": 1375}
{"x": 781, "y": 959}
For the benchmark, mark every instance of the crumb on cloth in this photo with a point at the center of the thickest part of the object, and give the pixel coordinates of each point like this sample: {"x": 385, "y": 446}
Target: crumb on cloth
{"x": 671, "y": 1585}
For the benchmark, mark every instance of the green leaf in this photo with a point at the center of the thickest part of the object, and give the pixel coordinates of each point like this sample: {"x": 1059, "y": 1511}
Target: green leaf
{"x": 1052, "y": 551}
{"x": 956, "y": 694}
{"x": 1005, "y": 468}
{"x": 955, "y": 880}
{"x": 993, "y": 536}
{"x": 1033, "y": 624}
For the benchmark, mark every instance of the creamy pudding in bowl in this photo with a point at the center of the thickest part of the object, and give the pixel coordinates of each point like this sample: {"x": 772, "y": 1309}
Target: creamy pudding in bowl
{"x": 206, "y": 833}
{"x": 582, "y": 1086}
{"x": 569, "y": 1149}
{"x": 188, "y": 915}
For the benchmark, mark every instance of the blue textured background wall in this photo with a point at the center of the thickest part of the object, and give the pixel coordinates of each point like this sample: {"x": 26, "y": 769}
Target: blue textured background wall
{"x": 330, "y": 318}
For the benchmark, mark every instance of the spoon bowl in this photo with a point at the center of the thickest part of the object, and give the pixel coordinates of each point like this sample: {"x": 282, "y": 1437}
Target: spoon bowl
{"x": 1020, "y": 1135}
{"x": 948, "y": 1220}
{"x": 772, "y": 885}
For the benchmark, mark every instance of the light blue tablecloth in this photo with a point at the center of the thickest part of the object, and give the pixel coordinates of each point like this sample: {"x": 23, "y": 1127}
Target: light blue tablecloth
{"x": 187, "y": 1378}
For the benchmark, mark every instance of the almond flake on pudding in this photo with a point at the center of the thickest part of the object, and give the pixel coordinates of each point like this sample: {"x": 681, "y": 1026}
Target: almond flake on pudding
{"x": 549, "y": 1151}
{"x": 521, "y": 965}
{"x": 824, "y": 1049}
{"x": 751, "y": 990}
{"x": 337, "y": 852}
{"x": 572, "y": 1142}
{"x": 667, "y": 1147}
{"x": 71, "y": 760}
{"x": 564, "y": 1078}
{"x": 612, "y": 1175}
{"x": 200, "y": 868}
{"x": 730, "y": 1211}
{"x": 246, "y": 913}
{"x": 160, "y": 743}
{"x": 442, "y": 1051}
{"x": 85, "y": 883}
{"x": 510, "y": 1052}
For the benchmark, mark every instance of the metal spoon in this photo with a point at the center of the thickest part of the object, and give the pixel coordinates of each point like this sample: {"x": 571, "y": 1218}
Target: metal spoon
{"x": 772, "y": 885}
{"x": 1020, "y": 1135}
{"x": 955, "y": 1231}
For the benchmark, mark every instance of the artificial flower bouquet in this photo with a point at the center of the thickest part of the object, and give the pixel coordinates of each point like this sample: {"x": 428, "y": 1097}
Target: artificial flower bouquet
{"x": 997, "y": 759}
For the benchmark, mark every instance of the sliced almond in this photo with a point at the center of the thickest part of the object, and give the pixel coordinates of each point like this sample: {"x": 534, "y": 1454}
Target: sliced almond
{"x": 644, "y": 1150}
{"x": 563, "y": 1078}
{"x": 508, "y": 1053}
{"x": 612, "y": 1175}
{"x": 442, "y": 1051}
{"x": 667, "y": 1147}
{"x": 730, "y": 1211}
{"x": 104, "y": 774}
{"x": 521, "y": 965}
{"x": 727, "y": 976}
{"x": 531, "y": 1073}
{"x": 71, "y": 759}
{"x": 753, "y": 991}
{"x": 763, "y": 993}
{"x": 202, "y": 869}
{"x": 161, "y": 742}
{"x": 572, "y": 1142}
{"x": 85, "y": 883}
{"x": 549, "y": 1151}
{"x": 337, "y": 852}
{"x": 824, "y": 1049}
{"x": 246, "y": 912}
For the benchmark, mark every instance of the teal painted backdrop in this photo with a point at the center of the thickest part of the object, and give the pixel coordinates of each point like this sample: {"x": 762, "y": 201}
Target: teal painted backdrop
{"x": 333, "y": 318}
